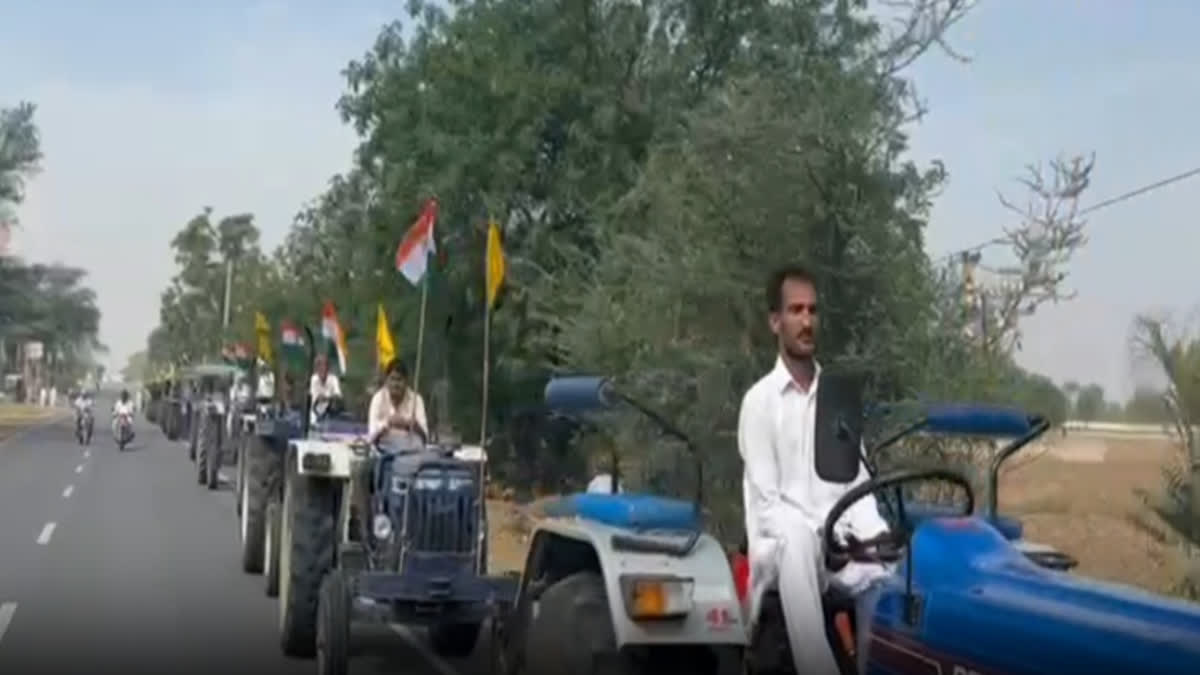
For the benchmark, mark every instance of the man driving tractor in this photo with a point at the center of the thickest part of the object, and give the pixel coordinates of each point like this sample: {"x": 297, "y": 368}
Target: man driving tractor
{"x": 397, "y": 412}
{"x": 324, "y": 387}
{"x": 786, "y": 502}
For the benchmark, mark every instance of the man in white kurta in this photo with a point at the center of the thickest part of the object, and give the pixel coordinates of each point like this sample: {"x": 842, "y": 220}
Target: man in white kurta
{"x": 396, "y": 416}
{"x": 786, "y": 502}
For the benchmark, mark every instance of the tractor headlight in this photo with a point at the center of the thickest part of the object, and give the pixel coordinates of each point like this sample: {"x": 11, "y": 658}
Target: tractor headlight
{"x": 650, "y": 597}
{"x": 382, "y": 526}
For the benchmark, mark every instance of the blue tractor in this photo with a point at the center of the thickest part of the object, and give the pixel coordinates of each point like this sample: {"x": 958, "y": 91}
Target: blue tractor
{"x": 965, "y": 596}
{"x": 409, "y": 544}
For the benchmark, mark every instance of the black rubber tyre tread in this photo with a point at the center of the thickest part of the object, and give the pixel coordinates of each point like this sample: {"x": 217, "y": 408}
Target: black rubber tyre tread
{"x": 271, "y": 531}
{"x": 573, "y": 631}
{"x": 210, "y": 449}
{"x": 312, "y": 529}
{"x": 454, "y": 640}
{"x": 200, "y": 458}
{"x": 333, "y": 625}
{"x": 256, "y": 456}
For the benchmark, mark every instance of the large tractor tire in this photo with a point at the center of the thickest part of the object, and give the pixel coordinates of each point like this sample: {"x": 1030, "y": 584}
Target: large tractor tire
{"x": 215, "y": 451}
{"x": 333, "y": 625}
{"x": 255, "y": 484}
{"x": 307, "y": 541}
{"x": 271, "y": 549}
{"x": 193, "y": 434}
{"x": 572, "y": 632}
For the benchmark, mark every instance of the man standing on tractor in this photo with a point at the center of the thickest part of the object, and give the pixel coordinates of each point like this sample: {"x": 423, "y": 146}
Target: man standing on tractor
{"x": 397, "y": 414}
{"x": 786, "y": 502}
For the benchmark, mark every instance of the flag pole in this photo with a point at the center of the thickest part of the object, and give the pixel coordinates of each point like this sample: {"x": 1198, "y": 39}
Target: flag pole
{"x": 487, "y": 367}
{"x": 421, "y": 330}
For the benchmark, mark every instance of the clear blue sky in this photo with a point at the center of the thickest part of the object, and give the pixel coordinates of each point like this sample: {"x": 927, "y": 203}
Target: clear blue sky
{"x": 151, "y": 110}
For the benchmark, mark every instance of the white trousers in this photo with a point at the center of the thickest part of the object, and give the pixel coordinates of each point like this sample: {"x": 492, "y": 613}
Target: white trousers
{"x": 801, "y": 576}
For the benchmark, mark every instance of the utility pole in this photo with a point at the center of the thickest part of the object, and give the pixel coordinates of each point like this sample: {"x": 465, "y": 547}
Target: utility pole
{"x": 228, "y": 286}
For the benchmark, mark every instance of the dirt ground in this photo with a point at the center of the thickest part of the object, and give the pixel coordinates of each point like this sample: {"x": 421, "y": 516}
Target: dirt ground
{"x": 1078, "y": 494}
{"x": 1075, "y": 493}
{"x": 14, "y": 417}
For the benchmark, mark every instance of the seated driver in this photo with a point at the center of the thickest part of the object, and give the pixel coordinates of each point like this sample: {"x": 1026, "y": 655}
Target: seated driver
{"x": 786, "y": 502}
{"x": 397, "y": 413}
{"x": 324, "y": 386}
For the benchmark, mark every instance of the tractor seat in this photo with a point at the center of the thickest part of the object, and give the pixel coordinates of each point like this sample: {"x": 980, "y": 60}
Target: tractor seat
{"x": 627, "y": 511}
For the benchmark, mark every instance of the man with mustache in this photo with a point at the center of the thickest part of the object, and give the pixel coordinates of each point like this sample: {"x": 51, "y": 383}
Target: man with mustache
{"x": 786, "y": 502}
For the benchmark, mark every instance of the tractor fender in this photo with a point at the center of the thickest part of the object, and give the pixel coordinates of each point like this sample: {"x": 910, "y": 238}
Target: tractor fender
{"x": 324, "y": 459}
{"x": 716, "y": 615}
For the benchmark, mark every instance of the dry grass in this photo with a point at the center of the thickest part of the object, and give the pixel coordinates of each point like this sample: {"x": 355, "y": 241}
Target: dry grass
{"x": 1079, "y": 496}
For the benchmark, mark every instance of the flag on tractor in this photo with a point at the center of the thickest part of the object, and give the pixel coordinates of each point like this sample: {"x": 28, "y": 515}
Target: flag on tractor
{"x": 412, "y": 255}
{"x": 292, "y": 344}
{"x": 262, "y": 328}
{"x": 331, "y": 330}
{"x": 495, "y": 266}
{"x": 385, "y": 348}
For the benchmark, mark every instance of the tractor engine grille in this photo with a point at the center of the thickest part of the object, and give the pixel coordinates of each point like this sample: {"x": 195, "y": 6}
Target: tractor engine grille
{"x": 442, "y": 512}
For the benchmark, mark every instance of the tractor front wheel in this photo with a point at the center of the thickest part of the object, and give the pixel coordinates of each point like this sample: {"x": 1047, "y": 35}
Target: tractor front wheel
{"x": 306, "y": 549}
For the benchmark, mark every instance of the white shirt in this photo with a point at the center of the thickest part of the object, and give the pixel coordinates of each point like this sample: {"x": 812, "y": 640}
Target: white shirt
{"x": 123, "y": 407}
{"x": 82, "y": 403}
{"x": 381, "y": 410}
{"x": 330, "y": 388}
{"x": 781, "y": 489}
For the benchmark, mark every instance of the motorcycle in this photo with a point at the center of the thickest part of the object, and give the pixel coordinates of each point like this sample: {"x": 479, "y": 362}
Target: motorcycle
{"x": 124, "y": 430}
{"x": 84, "y": 423}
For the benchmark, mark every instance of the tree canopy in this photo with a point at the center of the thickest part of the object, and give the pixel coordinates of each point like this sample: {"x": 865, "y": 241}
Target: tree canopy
{"x": 647, "y": 163}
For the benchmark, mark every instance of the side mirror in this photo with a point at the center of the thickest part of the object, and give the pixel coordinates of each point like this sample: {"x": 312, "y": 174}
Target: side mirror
{"x": 839, "y": 427}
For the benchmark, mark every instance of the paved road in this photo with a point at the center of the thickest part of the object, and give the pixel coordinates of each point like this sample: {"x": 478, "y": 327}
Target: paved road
{"x": 121, "y": 562}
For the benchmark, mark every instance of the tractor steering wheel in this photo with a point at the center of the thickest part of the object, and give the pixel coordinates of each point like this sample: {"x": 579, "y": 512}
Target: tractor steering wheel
{"x": 888, "y": 546}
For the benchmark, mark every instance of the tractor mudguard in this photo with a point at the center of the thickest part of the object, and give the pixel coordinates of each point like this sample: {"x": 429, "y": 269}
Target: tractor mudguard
{"x": 716, "y": 616}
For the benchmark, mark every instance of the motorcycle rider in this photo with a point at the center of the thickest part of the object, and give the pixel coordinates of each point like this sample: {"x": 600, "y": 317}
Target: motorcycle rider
{"x": 82, "y": 405}
{"x": 786, "y": 503}
{"x": 123, "y": 406}
{"x": 324, "y": 387}
{"x": 397, "y": 412}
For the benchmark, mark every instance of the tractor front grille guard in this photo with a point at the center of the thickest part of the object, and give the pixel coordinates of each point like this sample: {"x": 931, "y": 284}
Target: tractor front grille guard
{"x": 441, "y": 515}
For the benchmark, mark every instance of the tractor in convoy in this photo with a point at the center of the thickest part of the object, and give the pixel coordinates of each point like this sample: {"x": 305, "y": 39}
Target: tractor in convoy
{"x": 967, "y": 594}
{"x": 616, "y": 582}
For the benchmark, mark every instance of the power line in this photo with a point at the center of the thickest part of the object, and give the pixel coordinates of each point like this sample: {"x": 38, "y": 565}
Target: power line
{"x": 1091, "y": 209}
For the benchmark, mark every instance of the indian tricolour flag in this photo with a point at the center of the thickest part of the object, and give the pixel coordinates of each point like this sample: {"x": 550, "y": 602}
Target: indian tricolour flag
{"x": 292, "y": 343}
{"x": 412, "y": 255}
{"x": 332, "y": 330}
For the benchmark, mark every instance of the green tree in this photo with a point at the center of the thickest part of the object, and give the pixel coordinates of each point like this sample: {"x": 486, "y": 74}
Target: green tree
{"x": 20, "y": 156}
{"x": 1090, "y": 404}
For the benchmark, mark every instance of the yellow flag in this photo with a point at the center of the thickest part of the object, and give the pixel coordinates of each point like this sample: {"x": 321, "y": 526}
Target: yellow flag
{"x": 495, "y": 264}
{"x": 263, "y": 328}
{"x": 385, "y": 349}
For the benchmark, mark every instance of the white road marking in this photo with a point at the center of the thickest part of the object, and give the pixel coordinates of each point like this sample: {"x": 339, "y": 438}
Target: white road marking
{"x": 44, "y": 537}
{"x": 6, "y": 614}
{"x": 67, "y": 492}
{"x": 79, "y": 469}
{"x": 416, "y": 643}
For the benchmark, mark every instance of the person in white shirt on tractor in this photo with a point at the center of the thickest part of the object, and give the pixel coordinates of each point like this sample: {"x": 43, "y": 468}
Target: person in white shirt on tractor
{"x": 786, "y": 502}
{"x": 324, "y": 388}
{"x": 397, "y": 414}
